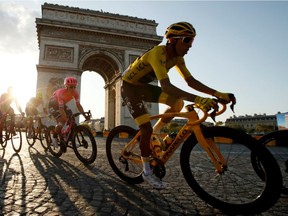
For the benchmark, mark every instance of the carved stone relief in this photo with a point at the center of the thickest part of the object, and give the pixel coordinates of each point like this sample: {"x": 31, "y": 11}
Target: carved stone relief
{"x": 57, "y": 53}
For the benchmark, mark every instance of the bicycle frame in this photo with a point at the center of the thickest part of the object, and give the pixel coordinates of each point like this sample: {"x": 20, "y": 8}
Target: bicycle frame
{"x": 68, "y": 133}
{"x": 7, "y": 122}
{"x": 192, "y": 126}
{"x": 71, "y": 128}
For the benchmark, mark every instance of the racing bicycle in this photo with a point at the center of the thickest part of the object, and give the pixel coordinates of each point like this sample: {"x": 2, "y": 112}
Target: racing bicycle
{"x": 215, "y": 162}
{"x": 37, "y": 133}
{"x": 77, "y": 137}
{"x": 11, "y": 132}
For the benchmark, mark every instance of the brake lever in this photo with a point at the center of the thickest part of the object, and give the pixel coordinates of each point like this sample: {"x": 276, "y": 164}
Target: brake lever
{"x": 233, "y": 101}
{"x": 215, "y": 110}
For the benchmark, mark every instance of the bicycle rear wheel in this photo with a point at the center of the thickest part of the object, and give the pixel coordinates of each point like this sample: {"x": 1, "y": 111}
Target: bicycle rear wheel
{"x": 239, "y": 189}
{"x": 30, "y": 136}
{"x": 84, "y": 145}
{"x": 42, "y": 136}
{"x": 277, "y": 143}
{"x": 54, "y": 150}
{"x": 16, "y": 139}
{"x": 128, "y": 168}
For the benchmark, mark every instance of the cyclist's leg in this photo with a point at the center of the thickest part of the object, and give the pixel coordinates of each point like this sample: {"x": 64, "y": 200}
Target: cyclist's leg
{"x": 136, "y": 107}
{"x": 138, "y": 111}
{"x": 30, "y": 120}
{"x": 1, "y": 126}
{"x": 54, "y": 111}
{"x": 12, "y": 116}
{"x": 175, "y": 105}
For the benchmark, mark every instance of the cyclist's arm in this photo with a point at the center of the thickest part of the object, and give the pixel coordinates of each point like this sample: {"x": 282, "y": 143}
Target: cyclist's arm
{"x": 170, "y": 89}
{"x": 44, "y": 108}
{"x": 18, "y": 106}
{"x": 191, "y": 81}
{"x": 80, "y": 108}
{"x": 197, "y": 85}
{"x": 77, "y": 101}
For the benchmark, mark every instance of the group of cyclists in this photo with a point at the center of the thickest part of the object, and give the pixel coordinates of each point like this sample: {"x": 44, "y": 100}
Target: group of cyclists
{"x": 137, "y": 89}
{"x": 56, "y": 106}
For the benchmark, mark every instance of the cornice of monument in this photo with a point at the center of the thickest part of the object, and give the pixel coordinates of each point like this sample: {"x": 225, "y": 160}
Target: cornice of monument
{"x": 97, "y": 12}
{"x": 91, "y": 19}
{"x": 100, "y": 30}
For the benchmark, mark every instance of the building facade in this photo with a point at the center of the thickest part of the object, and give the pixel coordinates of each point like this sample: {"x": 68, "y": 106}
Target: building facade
{"x": 249, "y": 122}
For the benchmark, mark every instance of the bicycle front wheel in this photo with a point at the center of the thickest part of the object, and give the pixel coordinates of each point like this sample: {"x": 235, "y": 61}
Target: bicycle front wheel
{"x": 238, "y": 189}
{"x": 42, "y": 136}
{"x": 84, "y": 145}
{"x": 5, "y": 137}
{"x": 16, "y": 140}
{"x": 128, "y": 166}
{"x": 30, "y": 135}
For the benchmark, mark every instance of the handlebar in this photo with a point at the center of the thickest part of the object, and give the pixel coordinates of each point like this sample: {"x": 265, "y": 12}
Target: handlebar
{"x": 85, "y": 114}
{"x": 191, "y": 115}
{"x": 216, "y": 111}
{"x": 67, "y": 126}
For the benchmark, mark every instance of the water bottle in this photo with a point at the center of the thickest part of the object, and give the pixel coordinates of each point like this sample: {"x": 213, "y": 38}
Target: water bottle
{"x": 156, "y": 144}
{"x": 65, "y": 130}
{"x": 167, "y": 142}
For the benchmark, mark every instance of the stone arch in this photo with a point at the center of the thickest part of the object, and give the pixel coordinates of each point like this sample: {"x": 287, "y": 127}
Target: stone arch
{"x": 105, "y": 63}
{"x": 109, "y": 67}
{"x": 73, "y": 40}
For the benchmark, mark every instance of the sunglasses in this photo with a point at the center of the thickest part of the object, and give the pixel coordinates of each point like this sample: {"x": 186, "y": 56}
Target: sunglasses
{"x": 186, "y": 39}
{"x": 71, "y": 87}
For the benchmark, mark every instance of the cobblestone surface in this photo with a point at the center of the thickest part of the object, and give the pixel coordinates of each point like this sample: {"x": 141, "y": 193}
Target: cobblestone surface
{"x": 34, "y": 182}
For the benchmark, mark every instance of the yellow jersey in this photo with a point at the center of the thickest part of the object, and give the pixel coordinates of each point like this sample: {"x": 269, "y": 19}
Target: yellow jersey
{"x": 153, "y": 65}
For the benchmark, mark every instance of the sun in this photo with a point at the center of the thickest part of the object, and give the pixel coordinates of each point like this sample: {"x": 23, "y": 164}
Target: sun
{"x": 22, "y": 76}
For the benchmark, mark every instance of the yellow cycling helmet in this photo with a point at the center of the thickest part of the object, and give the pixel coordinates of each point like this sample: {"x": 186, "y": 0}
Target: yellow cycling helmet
{"x": 184, "y": 29}
{"x": 39, "y": 95}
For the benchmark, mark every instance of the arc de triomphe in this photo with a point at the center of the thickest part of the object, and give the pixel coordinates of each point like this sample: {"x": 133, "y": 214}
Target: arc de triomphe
{"x": 73, "y": 40}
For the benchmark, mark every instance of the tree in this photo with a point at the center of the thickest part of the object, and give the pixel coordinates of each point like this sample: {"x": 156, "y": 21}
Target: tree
{"x": 219, "y": 123}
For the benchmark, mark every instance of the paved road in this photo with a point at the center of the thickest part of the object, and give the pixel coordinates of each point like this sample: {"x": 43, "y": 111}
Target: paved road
{"x": 34, "y": 182}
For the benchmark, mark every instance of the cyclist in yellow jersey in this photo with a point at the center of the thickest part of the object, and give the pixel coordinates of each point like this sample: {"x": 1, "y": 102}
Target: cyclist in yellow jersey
{"x": 155, "y": 65}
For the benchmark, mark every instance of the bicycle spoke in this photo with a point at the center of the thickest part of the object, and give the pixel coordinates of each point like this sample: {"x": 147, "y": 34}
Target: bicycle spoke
{"x": 238, "y": 188}
{"x": 129, "y": 165}
{"x": 84, "y": 145}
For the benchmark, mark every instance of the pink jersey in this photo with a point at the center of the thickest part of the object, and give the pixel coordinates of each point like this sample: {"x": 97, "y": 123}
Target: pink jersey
{"x": 63, "y": 96}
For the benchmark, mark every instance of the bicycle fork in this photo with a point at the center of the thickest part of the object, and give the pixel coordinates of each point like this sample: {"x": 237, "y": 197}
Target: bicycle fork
{"x": 209, "y": 146}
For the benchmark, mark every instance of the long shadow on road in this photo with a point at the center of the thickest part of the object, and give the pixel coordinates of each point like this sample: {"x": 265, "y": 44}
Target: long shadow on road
{"x": 87, "y": 190}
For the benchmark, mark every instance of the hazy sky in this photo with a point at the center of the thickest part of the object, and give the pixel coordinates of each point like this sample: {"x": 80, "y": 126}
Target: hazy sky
{"x": 240, "y": 47}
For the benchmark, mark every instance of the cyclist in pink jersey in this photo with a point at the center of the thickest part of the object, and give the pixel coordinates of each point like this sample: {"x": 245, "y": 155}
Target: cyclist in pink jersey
{"x": 58, "y": 108}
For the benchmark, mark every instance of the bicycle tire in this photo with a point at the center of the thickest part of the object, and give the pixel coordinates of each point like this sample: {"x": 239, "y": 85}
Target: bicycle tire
{"x": 280, "y": 152}
{"x": 30, "y": 138}
{"x": 5, "y": 137}
{"x": 55, "y": 151}
{"x": 16, "y": 140}
{"x": 239, "y": 190}
{"x": 84, "y": 145}
{"x": 42, "y": 133}
{"x": 128, "y": 170}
